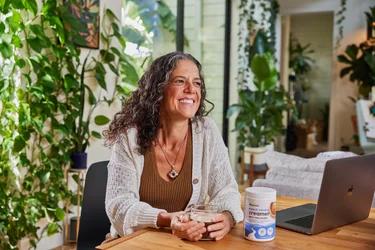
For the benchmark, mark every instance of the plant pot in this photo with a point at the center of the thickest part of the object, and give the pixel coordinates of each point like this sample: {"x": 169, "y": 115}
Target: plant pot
{"x": 259, "y": 161}
{"x": 79, "y": 160}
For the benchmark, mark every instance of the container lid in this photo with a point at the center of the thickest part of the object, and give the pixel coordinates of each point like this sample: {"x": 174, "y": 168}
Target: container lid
{"x": 260, "y": 192}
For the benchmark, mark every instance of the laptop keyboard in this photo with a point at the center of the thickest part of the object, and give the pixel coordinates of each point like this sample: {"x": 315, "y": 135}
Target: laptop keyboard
{"x": 305, "y": 222}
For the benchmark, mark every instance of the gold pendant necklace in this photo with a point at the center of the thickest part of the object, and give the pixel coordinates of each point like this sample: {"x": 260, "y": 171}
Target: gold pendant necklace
{"x": 173, "y": 173}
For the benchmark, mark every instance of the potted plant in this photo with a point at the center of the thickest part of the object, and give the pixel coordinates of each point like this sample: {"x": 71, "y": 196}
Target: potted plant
{"x": 360, "y": 67}
{"x": 259, "y": 117}
{"x": 92, "y": 89}
{"x": 300, "y": 63}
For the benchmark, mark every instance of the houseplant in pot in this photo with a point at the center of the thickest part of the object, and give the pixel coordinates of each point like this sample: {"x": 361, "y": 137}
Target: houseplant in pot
{"x": 359, "y": 63}
{"x": 259, "y": 117}
{"x": 92, "y": 89}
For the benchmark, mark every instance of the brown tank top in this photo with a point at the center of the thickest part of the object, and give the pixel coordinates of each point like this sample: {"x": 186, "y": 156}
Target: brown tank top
{"x": 172, "y": 196}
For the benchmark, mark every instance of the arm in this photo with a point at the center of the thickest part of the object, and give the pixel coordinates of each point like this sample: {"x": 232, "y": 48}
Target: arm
{"x": 222, "y": 186}
{"x": 124, "y": 209}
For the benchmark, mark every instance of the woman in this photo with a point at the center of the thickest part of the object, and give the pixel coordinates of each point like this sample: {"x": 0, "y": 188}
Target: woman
{"x": 167, "y": 156}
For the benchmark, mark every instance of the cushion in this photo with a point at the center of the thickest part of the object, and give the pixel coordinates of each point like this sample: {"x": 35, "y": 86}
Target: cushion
{"x": 280, "y": 160}
{"x": 294, "y": 176}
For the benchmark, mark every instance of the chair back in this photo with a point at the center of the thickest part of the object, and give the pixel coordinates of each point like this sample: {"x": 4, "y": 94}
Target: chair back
{"x": 94, "y": 222}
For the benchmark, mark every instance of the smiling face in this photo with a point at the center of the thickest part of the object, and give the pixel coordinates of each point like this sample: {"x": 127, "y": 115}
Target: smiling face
{"x": 182, "y": 94}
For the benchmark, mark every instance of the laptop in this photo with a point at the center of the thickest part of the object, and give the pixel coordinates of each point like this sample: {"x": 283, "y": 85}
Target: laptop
{"x": 345, "y": 197}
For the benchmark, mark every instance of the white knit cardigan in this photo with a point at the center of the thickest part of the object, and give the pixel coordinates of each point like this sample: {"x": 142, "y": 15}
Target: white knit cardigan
{"x": 211, "y": 175}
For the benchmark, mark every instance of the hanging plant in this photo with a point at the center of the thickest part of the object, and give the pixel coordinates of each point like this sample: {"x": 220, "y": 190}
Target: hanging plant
{"x": 340, "y": 17}
{"x": 262, "y": 102}
{"x": 255, "y": 16}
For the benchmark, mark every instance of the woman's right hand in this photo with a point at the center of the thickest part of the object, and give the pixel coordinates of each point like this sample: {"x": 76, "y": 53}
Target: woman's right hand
{"x": 185, "y": 228}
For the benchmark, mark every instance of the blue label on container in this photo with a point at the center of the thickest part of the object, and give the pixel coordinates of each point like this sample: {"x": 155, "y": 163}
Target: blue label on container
{"x": 259, "y": 232}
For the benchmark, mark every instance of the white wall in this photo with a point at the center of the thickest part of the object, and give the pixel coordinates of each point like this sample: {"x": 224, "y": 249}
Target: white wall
{"x": 97, "y": 152}
{"x": 341, "y": 108}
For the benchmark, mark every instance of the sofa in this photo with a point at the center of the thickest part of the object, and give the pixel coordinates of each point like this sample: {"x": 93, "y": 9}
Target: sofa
{"x": 297, "y": 177}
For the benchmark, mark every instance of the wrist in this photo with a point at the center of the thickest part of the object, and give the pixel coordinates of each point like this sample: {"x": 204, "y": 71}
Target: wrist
{"x": 232, "y": 222}
{"x": 164, "y": 219}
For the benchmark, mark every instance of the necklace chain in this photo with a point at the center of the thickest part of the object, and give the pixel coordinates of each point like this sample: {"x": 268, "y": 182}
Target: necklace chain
{"x": 173, "y": 174}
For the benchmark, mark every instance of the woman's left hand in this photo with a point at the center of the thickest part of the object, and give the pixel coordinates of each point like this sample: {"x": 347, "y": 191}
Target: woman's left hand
{"x": 223, "y": 223}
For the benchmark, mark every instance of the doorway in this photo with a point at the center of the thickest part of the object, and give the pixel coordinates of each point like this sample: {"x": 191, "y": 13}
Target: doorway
{"x": 307, "y": 47}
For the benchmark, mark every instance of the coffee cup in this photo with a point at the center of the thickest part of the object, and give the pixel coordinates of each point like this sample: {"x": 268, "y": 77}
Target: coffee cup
{"x": 204, "y": 213}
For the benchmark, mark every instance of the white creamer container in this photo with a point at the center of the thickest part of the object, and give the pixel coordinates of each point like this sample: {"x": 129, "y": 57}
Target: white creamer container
{"x": 260, "y": 213}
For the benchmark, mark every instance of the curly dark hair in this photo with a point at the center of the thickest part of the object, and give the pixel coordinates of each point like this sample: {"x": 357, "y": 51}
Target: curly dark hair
{"x": 141, "y": 110}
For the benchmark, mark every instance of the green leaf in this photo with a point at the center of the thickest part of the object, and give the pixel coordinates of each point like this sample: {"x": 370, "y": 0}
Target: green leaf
{"x": 20, "y": 63}
{"x": 49, "y": 6}
{"x": 131, "y": 72}
{"x": 345, "y": 71}
{"x": 352, "y": 51}
{"x": 233, "y": 109}
{"x": 35, "y": 44}
{"x": 60, "y": 52}
{"x": 19, "y": 143}
{"x": 48, "y": 83}
{"x": 14, "y": 21}
{"x": 96, "y": 134}
{"x": 92, "y": 99}
{"x": 260, "y": 67}
{"x": 52, "y": 229}
{"x": 343, "y": 59}
{"x": 113, "y": 69}
{"x": 101, "y": 120}
{"x": 17, "y": 4}
{"x": 2, "y": 27}
{"x": 33, "y": 243}
{"x": 75, "y": 178}
{"x": 44, "y": 176}
{"x": 31, "y": 5}
{"x": 111, "y": 15}
{"x": 37, "y": 30}
{"x": 49, "y": 137}
{"x": 70, "y": 83}
{"x": 100, "y": 77}
{"x": 271, "y": 82}
{"x": 34, "y": 63}
{"x": 6, "y": 50}
{"x": 16, "y": 41}
{"x": 60, "y": 214}
{"x": 107, "y": 56}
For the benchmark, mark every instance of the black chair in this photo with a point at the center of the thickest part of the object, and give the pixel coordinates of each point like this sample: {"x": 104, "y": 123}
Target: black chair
{"x": 94, "y": 223}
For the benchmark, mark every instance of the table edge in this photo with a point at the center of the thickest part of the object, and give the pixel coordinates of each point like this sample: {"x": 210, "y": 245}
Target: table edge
{"x": 121, "y": 239}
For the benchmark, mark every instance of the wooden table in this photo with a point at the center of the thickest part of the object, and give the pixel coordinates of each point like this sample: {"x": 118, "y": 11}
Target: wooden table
{"x": 359, "y": 235}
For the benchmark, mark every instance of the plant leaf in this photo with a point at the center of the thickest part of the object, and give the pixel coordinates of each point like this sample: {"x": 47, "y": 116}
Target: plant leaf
{"x": 19, "y": 143}
{"x": 52, "y": 228}
{"x": 101, "y": 120}
{"x": 6, "y": 50}
{"x": 260, "y": 67}
{"x": 92, "y": 99}
{"x": 31, "y": 5}
{"x": 96, "y": 134}
{"x": 60, "y": 214}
